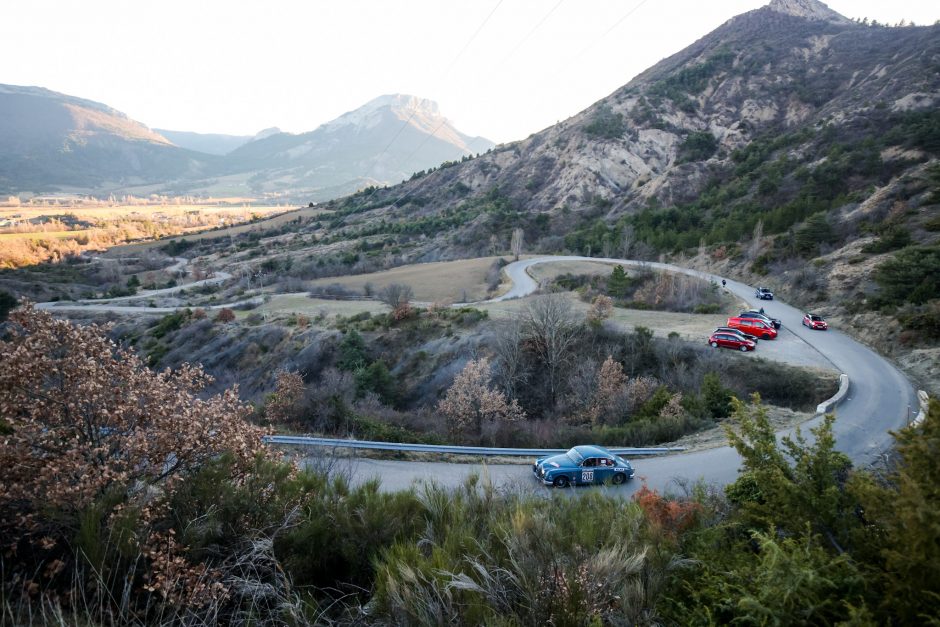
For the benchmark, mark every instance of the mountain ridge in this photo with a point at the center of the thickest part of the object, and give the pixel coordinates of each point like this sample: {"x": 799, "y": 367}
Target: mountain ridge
{"x": 50, "y": 140}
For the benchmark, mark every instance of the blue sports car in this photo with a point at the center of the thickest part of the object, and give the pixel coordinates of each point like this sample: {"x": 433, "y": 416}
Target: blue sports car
{"x": 582, "y": 465}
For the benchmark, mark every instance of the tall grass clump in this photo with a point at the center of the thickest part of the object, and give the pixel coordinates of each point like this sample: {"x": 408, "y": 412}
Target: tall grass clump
{"x": 491, "y": 558}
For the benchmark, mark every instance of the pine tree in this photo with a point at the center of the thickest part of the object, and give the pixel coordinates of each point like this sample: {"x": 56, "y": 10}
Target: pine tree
{"x": 618, "y": 282}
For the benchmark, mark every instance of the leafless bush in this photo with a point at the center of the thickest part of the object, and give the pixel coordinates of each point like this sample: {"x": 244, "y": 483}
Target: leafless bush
{"x": 326, "y": 399}
{"x": 510, "y": 370}
{"x": 494, "y": 275}
{"x": 677, "y": 292}
{"x": 552, "y": 329}
{"x": 396, "y": 295}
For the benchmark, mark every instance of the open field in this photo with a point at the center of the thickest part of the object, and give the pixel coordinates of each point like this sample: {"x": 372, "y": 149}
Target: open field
{"x": 41, "y": 235}
{"x": 68, "y": 230}
{"x": 455, "y": 281}
{"x": 139, "y": 211}
{"x": 304, "y": 305}
{"x": 551, "y": 271}
{"x": 662, "y": 323}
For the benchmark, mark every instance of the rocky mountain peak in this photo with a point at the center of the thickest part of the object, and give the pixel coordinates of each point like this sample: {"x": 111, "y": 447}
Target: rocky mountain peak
{"x": 401, "y": 105}
{"x": 809, "y": 9}
{"x": 273, "y": 130}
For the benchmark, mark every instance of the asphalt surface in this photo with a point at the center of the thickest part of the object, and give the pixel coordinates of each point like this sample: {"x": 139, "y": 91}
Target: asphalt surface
{"x": 880, "y": 399}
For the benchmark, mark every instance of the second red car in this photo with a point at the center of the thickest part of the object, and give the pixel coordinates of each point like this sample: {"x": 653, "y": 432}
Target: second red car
{"x": 753, "y": 326}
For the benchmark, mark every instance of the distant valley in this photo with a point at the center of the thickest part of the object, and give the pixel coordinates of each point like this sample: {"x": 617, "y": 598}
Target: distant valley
{"x": 52, "y": 142}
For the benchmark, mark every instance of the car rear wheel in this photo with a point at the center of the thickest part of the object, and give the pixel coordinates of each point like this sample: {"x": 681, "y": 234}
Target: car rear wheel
{"x": 714, "y": 344}
{"x": 619, "y": 478}
{"x": 743, "y": 348}
{"x": 560, "y": 482}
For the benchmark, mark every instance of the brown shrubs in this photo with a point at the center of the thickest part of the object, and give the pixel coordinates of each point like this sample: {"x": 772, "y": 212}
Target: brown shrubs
{"x": 87, "y": 423}
{"x": 471, "y": 401}
{"x": 284, "y": 404}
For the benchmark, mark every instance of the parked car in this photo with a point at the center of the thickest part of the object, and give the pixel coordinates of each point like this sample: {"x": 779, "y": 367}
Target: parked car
{"x": 746, "y": 336}
{"x": 761, "y": 329}
{"x": 582, "y": 465}
{"x": 752, "y": 313}
{"x": 731, "y": 340}
{"x": 764, "y": 293}
{"x": 814, "y": 321}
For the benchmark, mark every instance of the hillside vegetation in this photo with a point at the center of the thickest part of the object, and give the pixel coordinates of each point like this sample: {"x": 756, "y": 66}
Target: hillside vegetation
{"x": 797, "y": 152}
{"x": 223, "y": 531}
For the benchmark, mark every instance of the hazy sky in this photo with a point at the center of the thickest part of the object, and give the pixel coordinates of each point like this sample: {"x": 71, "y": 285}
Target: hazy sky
{"x": 498, "y": 68}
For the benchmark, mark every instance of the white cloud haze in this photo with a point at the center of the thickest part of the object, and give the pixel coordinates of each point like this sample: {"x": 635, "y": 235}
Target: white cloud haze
{"x": 237, "y": 67}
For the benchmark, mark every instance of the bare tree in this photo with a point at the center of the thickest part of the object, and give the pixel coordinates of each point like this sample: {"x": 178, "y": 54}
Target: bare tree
{"x": 510, "y": 368}
{"x": 515, "y": 245}
{"x": 552, "y": 329}
{"x": 626, "y": 241}
{"x": 494, "y": 244}
{"x": 396, "y": 295}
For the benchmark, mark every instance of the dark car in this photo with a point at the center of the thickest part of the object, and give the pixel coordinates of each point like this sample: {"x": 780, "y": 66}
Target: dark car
{"x": 761, "y": 329}
{"x": 731, "y": 340}
{"x": 814, "y": 321}
{"x": 746, "y": 336}
{"x": 764, "y": 293}
{"x": 582, "y": 465}
{"x": 750, "y": 313}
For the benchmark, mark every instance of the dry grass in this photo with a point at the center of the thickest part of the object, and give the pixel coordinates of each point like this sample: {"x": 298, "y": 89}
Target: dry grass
{"x": 456, "y": 281}
{"x": 46, "y": 235}
{"x": 118, "y": 212}
{"x": 662, "y": 323}
{"x": 311, "y": 307}
{"x": 551, "y": 271}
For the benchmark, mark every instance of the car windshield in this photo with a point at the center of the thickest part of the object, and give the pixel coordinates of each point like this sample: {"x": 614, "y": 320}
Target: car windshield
{"x": 814, "y": 318}
{"x": 575, "y": 456}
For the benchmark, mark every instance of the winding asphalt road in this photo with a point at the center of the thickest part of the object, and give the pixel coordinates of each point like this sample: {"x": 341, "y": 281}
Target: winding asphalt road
{"x": 880, "y": 399}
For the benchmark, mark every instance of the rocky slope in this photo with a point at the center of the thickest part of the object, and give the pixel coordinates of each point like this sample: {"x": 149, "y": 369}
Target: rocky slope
{"x": 791, "y": 65}
{"x": 790, "y": 145}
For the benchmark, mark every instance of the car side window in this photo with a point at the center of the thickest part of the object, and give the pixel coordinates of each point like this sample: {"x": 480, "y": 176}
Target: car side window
{"x": 590, "y": 462}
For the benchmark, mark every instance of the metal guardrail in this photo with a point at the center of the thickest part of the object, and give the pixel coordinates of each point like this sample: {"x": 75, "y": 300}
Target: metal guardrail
{"x": 459, "y": 450}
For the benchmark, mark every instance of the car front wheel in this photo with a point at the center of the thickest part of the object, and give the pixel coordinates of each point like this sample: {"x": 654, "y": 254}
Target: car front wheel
{"x": 744, "y": 349}
{"x": 560, "y": 482}
{"x": 766, "y": 336}
{"x": 619, "y": 478}
{"x": 714, "y": 344}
